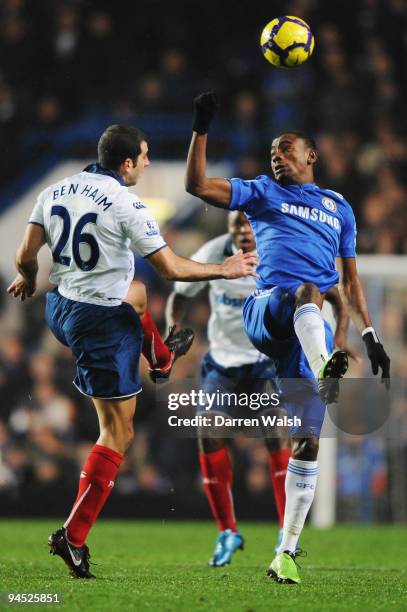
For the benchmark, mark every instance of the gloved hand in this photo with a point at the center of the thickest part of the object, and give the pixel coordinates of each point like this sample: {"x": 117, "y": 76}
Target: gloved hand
{"x": 377, "y": 355}
{"x": 205, "y": 107}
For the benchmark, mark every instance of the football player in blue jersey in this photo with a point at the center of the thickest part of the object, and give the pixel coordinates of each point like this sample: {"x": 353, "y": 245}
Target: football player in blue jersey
{"x": 300, "y": 231}
{"x": 234, "y": 366}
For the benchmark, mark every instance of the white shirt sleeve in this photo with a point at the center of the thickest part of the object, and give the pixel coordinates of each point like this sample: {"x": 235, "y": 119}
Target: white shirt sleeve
{"x": 140, "y": 227}
{"x": 37, "y": 215}
{"x": 189, "y": 289}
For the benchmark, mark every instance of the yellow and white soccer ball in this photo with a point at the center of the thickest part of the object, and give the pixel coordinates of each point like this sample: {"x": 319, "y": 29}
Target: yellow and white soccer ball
{"x": 287, "y": 42}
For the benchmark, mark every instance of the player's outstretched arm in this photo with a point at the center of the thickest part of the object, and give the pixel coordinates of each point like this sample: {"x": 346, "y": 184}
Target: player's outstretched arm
{"x": 342, "y": 322}
{"x": 24, "y": 285}
{"x": 352, "y": 294}
{"x": 215, "y": 191}
{"x": 176, "y": 268}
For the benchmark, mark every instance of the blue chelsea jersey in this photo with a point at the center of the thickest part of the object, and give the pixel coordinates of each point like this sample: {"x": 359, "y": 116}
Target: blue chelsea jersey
{"x": 299, "y": 231}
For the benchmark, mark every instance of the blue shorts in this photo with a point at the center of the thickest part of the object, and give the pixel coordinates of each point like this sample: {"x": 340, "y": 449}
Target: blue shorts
{"x": 247, "y": 379}
{"x": 106, "y": 342}
{"x": 268, "y": 319}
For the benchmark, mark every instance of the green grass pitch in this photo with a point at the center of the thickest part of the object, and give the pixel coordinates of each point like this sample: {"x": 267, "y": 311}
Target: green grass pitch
{"x": 162, "y": 567}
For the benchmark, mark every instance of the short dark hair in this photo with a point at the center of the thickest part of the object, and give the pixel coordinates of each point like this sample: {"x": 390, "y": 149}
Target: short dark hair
{"x": 309, "y": 140}
{"x": 117, "y": 143}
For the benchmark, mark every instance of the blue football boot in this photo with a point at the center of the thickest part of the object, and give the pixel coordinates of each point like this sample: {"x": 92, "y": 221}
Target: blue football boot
{"x": 228, "y": 542}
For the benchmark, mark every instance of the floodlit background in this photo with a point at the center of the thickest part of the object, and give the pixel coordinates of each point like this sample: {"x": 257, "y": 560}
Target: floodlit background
{"x": 69, "y": 69}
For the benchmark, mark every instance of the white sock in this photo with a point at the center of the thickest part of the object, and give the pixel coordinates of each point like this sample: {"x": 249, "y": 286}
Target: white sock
{"x": 310, "y": 329}
{"x": 300, "y": 484}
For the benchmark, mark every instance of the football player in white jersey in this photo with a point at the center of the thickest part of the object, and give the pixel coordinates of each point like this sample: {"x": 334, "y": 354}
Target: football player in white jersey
{"x": 234, "y": 365}
{"x": 90, "y": 221}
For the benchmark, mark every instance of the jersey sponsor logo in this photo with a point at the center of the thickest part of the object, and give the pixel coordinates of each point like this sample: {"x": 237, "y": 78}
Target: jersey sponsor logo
{"x": 223, "y": 298}
{"x": 151, "y": 228}
{"x": 329, "y": 204}
{"x": 138, "y": 205}
{"x": 313, "y": 214}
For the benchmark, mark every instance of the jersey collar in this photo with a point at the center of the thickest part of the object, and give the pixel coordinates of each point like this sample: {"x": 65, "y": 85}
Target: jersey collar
{"x": 99, "y": 169}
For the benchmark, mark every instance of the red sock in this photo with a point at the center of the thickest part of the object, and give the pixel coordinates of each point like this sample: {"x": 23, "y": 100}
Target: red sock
{"x": 95, "y": 485}
{"x": 154, "y": 350}
{"x": 217, "y": 479}
{"x": 278, "y": 462}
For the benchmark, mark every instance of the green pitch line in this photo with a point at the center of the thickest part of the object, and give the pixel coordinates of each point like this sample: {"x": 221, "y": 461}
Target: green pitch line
{"x": 161, "y": 567}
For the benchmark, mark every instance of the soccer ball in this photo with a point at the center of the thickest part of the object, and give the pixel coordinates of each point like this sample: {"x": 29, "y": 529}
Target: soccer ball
{"x": 287, "y": 42}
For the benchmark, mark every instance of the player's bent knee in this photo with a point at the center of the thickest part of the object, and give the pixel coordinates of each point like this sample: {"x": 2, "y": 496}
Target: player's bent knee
{"x": 124, "y": 431}
{"x": 122, "y": 435}
{"x": 308, "y": 293}
{"x": 306, "y": 289}
{"x": 116, "y": 422}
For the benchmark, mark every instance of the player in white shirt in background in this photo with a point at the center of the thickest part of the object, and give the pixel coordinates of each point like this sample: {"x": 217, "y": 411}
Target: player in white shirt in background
{"x": 90, "y": 221}
{"x": 234, "y": 365}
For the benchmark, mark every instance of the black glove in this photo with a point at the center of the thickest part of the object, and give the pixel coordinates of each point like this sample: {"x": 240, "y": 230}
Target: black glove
{"x": 377, "y": 355}
{"x": 205, "y": 107}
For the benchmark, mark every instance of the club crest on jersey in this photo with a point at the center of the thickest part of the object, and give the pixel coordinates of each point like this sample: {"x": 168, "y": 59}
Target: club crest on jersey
{"x": 329, "y": 204}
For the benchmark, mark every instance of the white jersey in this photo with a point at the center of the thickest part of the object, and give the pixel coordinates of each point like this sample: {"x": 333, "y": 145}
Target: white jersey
{"x": 90, "y": 222}
{"x": 228, "y": 343}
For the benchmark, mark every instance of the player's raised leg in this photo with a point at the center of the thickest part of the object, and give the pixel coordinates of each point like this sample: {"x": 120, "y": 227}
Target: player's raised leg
{"x": 160, "y": 354}
{"x": 309, "y": 325}
{"x": 310, "y": 331}
{"x": 217, "y": 479}
{"x": 96, "y": 483}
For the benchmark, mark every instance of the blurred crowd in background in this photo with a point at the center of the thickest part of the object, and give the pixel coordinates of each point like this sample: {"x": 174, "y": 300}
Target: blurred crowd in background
{"x": 47, "y": 428}
{"x": 63, "y": 65}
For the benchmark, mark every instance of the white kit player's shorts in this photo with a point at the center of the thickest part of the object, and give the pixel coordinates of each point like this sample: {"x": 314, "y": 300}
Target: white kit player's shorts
{"x": 106, "y": 342}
